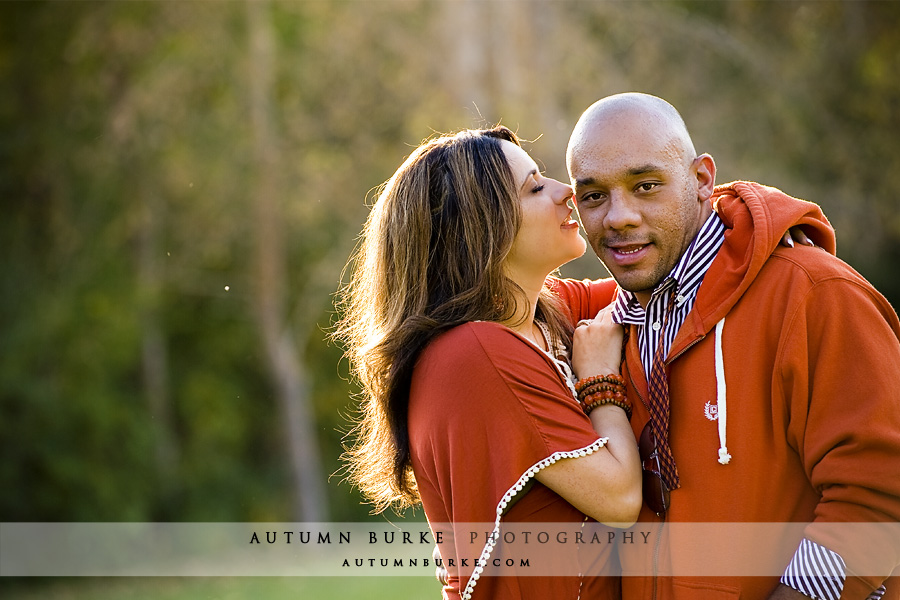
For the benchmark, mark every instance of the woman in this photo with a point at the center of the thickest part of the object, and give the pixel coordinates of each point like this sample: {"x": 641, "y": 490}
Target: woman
{"x": 469, "y": 404}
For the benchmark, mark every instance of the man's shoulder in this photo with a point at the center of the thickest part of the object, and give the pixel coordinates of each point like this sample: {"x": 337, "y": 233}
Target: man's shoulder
{"x": 814, "y": 265}
{"x": 816, "y": 279}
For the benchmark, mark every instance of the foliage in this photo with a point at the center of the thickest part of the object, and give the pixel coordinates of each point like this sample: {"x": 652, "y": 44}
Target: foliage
{"x": 125, "y": 171}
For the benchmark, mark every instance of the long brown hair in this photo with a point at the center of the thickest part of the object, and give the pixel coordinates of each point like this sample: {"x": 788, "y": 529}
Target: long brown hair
{"x": 431, "y": 258}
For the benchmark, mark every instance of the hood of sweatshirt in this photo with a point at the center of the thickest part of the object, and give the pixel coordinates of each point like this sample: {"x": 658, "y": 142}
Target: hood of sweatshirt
{"x": 756, "y": 217}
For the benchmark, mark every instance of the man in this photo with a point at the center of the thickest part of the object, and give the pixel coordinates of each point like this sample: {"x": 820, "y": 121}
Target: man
{"x": 808, "y": 427}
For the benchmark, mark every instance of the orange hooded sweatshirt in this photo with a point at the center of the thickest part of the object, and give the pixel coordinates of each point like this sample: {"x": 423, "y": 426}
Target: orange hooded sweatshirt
{"x": 788, "y": 369}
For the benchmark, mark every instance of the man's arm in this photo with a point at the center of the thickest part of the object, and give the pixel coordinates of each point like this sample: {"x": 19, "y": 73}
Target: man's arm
{"x": 841, "y": 386}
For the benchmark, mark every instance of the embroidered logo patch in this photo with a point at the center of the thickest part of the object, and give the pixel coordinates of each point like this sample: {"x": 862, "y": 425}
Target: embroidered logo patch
{"x": 711, "y": 411}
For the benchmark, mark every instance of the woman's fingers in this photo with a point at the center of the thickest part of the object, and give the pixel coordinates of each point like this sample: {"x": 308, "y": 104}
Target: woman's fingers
{"x": 597, "y": 346}
{"x": 795, "y": 234}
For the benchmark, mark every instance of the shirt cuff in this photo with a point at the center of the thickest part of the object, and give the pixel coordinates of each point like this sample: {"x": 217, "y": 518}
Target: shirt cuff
{"x": 819, "y": 573}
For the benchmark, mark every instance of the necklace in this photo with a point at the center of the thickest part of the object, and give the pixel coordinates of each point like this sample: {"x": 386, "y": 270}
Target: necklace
{"x": 537, "y": 336}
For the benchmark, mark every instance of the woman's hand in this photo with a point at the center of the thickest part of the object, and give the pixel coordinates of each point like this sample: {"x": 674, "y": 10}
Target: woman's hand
{"x": 795, "y": 234}
{"x": 597, "y": 346}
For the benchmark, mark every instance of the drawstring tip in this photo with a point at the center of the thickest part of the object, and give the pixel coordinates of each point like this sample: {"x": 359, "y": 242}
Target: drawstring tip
{"x": 724, "y": 457}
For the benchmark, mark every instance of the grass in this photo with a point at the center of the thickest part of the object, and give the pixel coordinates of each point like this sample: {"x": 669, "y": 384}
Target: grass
{"x": 222, "y": 588}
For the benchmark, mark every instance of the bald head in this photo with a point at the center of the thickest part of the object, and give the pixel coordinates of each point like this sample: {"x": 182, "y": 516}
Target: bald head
{"x": 641, "y": 114}
{"x": 641, "y": 190}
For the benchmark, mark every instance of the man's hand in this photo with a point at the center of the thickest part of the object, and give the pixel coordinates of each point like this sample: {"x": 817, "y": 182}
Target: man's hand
{"x": 440, "y": 572}
{"x": 784, "y": 592}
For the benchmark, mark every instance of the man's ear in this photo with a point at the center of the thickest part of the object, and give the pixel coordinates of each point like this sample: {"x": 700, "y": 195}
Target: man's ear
{"x": 704, "y": 168}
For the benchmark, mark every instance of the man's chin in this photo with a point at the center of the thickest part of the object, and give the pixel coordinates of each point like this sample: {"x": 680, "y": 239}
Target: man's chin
{"x": 632, "y": 281}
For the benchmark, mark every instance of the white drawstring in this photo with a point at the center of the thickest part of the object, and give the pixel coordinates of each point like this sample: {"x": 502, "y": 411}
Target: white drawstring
{"x": 721, "y": 394}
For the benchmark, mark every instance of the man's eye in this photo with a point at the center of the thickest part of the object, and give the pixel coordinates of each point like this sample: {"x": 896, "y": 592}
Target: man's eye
{"x": 646, "y": 187}
{"x": 592, "y": 198}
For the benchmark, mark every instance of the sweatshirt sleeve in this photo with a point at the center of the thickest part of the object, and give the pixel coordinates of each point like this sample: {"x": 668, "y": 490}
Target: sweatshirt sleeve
{"x": 584, "y": 298}
{"x": 840, "y": 375}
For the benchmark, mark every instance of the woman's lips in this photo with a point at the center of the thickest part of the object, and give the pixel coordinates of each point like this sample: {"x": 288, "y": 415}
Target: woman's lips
{"x": 569, "y": 222}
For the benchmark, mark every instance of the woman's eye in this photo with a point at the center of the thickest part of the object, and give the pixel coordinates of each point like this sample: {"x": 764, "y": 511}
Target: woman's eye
{"x": 537, "y": 189}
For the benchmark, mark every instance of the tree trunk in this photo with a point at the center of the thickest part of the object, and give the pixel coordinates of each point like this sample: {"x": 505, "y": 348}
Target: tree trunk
{"x": 468, "y": 67}
{"x": 154, "y": 354}
{"x": 290, "y": 380}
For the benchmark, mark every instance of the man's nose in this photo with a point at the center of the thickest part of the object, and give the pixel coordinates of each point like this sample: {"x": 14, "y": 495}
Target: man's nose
{"x": 623, "y": 212}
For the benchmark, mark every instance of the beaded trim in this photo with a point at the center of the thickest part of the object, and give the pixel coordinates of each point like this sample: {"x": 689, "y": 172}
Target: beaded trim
{"x": 508, "y": 496}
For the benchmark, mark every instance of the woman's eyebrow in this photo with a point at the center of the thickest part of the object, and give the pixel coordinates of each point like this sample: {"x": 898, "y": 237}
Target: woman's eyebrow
{"x": 531, "y": 174}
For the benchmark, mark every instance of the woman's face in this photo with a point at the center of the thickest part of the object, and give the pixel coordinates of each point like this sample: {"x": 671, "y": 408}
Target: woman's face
{"x": 548, "y": 236}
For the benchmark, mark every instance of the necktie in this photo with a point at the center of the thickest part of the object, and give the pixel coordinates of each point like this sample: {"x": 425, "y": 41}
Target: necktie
{"x": 659, "y": 402}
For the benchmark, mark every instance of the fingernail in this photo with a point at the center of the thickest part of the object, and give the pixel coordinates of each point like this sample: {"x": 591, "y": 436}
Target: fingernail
{"x": 790, "y": 242}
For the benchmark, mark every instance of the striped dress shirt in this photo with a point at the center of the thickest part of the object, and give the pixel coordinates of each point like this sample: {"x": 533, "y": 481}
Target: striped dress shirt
{"x": 814, "y": 570}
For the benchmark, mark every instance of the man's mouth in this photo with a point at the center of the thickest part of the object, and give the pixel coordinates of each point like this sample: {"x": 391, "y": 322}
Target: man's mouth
{"x": 629, "y": 249}
{"x": 628, "y": 254}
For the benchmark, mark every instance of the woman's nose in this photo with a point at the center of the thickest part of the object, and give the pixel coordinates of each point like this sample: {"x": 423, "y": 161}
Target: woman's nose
{"x": 564, "y": 192}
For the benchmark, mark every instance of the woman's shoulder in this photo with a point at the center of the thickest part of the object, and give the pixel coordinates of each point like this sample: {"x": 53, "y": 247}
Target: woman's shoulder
{"x": 469, "y": 363}
{"x": 473, "y": 339}
{"x": 484, "y": 349}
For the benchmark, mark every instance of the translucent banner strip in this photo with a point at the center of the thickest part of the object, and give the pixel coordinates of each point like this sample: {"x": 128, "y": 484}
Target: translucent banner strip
{"x": 375, "y": 549}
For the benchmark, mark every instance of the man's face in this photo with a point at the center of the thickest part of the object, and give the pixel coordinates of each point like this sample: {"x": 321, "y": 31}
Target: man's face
{"x": 638, "y": 196}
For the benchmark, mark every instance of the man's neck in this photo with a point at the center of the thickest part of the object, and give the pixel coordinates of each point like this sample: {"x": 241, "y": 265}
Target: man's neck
{"x": 643, "y": 298}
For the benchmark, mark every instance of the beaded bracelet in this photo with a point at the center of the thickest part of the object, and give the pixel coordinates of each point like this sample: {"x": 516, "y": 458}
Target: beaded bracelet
{"x": 597, "y": 398}
{"x": 611, "y": 379}
{"x": 601, "y": 387}
{"x": 584, "y": 399}
{"x": 590, "y": 389}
